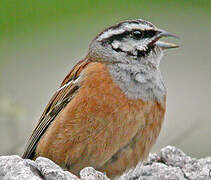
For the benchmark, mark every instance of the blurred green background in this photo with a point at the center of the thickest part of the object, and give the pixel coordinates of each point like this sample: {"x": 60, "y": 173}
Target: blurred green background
{"x": 41, "y": 40}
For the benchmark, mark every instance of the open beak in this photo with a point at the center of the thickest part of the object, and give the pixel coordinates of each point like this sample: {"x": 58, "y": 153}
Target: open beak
{"x": 162, "y": 44}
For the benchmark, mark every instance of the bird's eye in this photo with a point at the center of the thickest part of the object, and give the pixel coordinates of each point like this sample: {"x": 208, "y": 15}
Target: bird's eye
{"x": 138, "y": 34}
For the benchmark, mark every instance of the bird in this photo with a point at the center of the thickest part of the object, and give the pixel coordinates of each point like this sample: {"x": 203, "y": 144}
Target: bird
{"x": 108, "y": 111}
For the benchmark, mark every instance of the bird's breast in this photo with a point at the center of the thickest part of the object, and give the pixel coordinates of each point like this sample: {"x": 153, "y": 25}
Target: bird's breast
{"x": 101, "y": 127}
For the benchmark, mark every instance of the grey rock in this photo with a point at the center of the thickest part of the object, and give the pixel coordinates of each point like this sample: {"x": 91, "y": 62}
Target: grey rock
{"x": 156, "y": 171}
{"x": 198, "y": 170}
{"x": 174, "y": 157}
{"x": 15, "y": 168}
{"x": 169, "y": 164}
{"x": 90, "y": 173}
{"x": 52, "y": 171}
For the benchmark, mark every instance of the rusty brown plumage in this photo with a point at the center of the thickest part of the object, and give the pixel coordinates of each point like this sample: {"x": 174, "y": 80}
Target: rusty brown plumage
{"x": 99, "y": 126}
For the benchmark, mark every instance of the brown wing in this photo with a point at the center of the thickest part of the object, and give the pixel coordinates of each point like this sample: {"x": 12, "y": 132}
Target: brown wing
{"x": 59, "y": 100}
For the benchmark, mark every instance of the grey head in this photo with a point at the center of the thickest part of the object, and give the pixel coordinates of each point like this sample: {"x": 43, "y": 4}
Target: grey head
{"x": 131, "y": 40}
{"x": 134, "y": 50}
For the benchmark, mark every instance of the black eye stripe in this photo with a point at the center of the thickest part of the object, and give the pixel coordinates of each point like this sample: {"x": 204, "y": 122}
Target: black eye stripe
{"x": 150, "y": 33}
{"x": 137, "y": 34}
{"x": 117, "y": 37}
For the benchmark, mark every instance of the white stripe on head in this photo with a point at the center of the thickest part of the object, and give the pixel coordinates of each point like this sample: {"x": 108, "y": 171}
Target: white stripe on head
{"x": 126, "y": 26}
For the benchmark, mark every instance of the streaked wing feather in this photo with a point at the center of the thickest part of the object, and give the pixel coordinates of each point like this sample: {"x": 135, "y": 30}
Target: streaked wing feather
{"x": 59, "y": 100}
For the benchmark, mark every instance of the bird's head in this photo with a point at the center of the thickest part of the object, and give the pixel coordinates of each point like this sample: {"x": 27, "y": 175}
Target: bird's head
{"x": 129, "y": 41}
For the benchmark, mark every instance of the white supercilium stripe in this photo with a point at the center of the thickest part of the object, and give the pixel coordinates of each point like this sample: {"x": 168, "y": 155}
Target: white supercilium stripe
{"x": 123, "y": 28}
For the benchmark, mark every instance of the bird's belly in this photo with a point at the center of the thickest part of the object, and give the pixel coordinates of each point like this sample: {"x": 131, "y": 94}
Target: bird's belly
{"x": 106, "y": 134}
{"x": 139, "y": 143}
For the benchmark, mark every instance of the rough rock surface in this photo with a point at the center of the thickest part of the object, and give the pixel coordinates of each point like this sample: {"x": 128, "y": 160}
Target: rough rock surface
{"x": 169, "y": 164}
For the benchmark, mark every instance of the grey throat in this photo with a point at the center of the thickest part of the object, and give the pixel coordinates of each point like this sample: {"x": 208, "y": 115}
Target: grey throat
{"x": 138, "y": 81}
